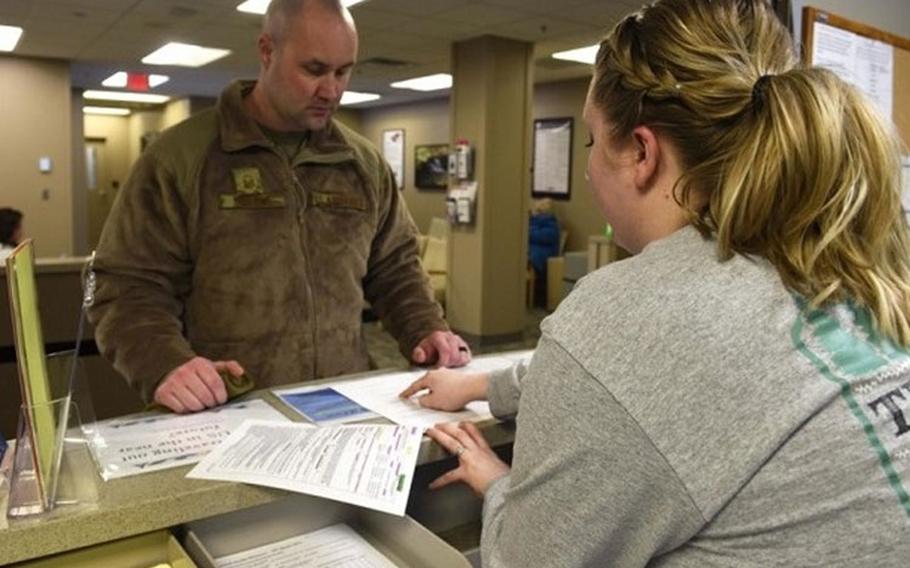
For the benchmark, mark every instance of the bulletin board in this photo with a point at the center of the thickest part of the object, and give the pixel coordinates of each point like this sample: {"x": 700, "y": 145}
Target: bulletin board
{"x": 552, "y": 158}
{"x": 832, "y": 25}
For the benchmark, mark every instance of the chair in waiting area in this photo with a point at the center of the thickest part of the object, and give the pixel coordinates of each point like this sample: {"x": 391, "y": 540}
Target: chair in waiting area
{"x": 434, "y": 257}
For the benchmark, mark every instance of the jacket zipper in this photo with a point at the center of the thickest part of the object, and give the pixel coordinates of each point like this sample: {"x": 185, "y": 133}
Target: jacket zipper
{"x": 306, "y": 277}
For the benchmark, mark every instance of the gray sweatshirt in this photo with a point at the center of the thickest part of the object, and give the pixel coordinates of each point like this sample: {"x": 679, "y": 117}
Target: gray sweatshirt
{"x": 682, "y": 411}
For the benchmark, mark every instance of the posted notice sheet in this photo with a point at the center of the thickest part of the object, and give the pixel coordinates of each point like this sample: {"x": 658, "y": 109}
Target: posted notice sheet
{"x": 141, "y": 443}
{"x": 363, "y": 464}
{"x": 336, "y": 546}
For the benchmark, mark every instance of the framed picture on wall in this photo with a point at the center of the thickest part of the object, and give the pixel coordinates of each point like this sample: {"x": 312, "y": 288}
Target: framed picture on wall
{"x": 431, "y": 166}
{"x": 393, "y": 152}
{"x": 552, "y": 158}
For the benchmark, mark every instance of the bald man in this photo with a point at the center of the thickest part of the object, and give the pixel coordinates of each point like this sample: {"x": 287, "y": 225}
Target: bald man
{"x": 249, "y": 236}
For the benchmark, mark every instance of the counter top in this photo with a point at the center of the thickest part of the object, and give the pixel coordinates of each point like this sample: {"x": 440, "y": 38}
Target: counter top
{"x": 152, "y": 501}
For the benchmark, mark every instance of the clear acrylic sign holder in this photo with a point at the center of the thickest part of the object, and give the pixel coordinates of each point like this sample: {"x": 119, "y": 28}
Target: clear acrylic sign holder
{"x": 56, "y": 477}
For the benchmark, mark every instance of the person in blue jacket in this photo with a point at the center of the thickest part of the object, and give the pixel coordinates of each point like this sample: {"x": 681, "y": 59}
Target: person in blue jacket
{"x": 543, "y": 242}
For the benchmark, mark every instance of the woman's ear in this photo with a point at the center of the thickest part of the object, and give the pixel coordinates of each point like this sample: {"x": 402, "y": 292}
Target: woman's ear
{"x": 647, "y": 157}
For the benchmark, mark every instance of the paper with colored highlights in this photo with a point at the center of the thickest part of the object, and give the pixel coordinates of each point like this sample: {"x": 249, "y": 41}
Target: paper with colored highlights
{"x": 368, "y": 465}
{"x": 34, "y": 384}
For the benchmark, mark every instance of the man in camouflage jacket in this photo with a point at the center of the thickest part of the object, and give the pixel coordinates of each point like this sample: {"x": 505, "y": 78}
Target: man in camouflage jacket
{"x": 250, "y": 235}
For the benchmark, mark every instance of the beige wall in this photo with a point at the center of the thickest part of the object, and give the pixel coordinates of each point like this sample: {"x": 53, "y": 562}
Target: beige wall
{"x": 424, "y": 122}
{"x": 580, "y": 214}
{"x": 428, "y": 123}
{"x": 350, "y": 118}
{"x": 140, "y": 123}
{"x": 175, "y": 111}
{"x": 35, "y": 121}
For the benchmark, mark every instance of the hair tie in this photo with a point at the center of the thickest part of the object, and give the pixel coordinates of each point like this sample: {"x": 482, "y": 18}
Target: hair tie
{"x": 758, "y": 91}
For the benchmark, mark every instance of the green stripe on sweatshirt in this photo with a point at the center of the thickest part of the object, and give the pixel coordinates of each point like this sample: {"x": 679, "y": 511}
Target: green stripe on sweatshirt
{"x": 853, "y": 357}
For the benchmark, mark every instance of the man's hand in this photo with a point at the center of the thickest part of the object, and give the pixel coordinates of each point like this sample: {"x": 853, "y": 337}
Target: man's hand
{"x": 448, "y": 390}
{"x": 195, "y": 385}
{"x": 443, "y": 349}
{"x": 478, "y": 464}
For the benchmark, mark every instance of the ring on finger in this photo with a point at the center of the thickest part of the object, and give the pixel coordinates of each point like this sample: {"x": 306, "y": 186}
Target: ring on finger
{"x": 459, "y": 450}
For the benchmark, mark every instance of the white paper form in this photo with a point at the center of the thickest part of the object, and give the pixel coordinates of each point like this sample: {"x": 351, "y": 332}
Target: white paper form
{"x": 336, "y": 546}
{"x": 369, "y": 465}
{"x": 380, "y": 394}
{"x": 866, "y": 63}
{"x": 141, "y": 443}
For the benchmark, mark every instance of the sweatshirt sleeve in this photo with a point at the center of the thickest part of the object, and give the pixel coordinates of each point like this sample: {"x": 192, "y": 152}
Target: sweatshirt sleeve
{"x": 587, "y": 487}
{"x": 143, "y": 270}
{"x": 504, "y": 390}
{"x": 396, "y": 285}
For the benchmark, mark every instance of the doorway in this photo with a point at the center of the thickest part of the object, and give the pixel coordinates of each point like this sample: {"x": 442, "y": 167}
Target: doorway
{"x": 102, "y": 187}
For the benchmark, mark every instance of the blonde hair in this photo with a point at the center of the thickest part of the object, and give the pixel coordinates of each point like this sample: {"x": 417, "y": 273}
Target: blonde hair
{"x": 793, "y": 163}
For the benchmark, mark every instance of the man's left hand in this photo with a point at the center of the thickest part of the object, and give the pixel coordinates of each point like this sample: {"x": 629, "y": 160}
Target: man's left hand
{"x": 443, "y": 349}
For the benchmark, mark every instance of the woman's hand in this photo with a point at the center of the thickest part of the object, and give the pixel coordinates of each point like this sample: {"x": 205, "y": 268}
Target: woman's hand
{"x": 478, "y": 465}
{"x": 448, "y": 390}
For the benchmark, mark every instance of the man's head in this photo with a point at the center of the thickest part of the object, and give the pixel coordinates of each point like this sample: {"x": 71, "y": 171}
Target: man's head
{"x": 307, "y": 50}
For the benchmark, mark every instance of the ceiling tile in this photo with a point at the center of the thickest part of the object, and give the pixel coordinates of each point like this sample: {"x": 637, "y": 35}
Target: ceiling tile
{"x": 408, "y": 7}
{"x": 19, "y": 9}
{"x": 605, "y": 14}
{"x": 483, "y": 13}
{"x": 537, "y": 28}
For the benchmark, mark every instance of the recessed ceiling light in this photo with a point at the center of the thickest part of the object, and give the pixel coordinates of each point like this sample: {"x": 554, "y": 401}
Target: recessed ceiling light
{"x": 125, "y": 97}
{"x": 109, "y": 111}
{"x": 586, "y": 54}
{"x": 184, "y": 55}
{"x": 155, "y": 80}
{"x": 427, "y": 83}
{"x": 119, "y": 80}
{"x": 9, "y": 37}
{"x": 353, "y": 97}
{"x": 260, "y": 6}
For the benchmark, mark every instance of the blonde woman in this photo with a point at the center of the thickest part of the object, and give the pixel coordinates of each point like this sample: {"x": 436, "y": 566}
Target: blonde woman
{"x": 738, "y": 393}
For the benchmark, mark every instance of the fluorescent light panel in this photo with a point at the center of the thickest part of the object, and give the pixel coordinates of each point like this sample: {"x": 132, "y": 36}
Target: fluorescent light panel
{"x": 9, "y": 37}
{"x": 118, "y": 80}
{"x": 586, "y": 54}
{"x": 427, "y": 83}
{"x": 110, "y": 111}
{"x": 184, "y": 55}
{"x": 260, "y": 6}
{"x": 125, "y": 97}
{"x": 353, "y": 97}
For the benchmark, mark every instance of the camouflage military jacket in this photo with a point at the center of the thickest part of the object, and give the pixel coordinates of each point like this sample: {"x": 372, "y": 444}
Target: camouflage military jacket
{"x": 217, "y": 246}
